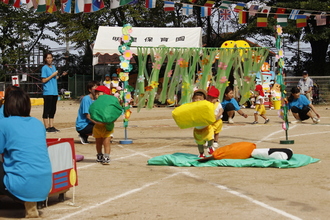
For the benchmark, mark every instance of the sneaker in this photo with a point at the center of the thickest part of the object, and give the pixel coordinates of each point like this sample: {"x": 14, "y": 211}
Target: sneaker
{"x": 267, "y": 120}
{"x": 83, "y": 139}
{"x": 255, "y": 122}
{"x": 316, "y": 120}
{"x": 296, "y": 122}
{"x": 106, "y": 161}
{"x": 50, "y": 129}
{"x": 210, "y": 150}
{"x": 201, "y": 155}
{"x": 99, "y": 158}
{"x": 215, "y": 145}
{"x": 230, "y": 121}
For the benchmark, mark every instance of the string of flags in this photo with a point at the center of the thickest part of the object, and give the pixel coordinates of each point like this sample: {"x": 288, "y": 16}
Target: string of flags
{"x": 226, "y": 9}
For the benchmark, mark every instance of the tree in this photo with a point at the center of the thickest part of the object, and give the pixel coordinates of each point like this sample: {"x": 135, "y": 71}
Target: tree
{"x": 21, "y": 31}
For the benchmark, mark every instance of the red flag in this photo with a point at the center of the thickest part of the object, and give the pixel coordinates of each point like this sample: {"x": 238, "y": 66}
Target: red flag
{"x": 279, "y": 11}
{"x": 262, "y": 20}
{"x": 242, "y": 18}
{"x": 17, "y": 3}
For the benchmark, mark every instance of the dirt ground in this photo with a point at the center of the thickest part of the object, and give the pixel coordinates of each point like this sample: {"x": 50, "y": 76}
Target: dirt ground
{"x": 130, "y": 189}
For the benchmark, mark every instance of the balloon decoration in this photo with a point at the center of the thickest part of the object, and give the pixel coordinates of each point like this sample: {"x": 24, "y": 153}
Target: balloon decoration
{"x": 186, "y": 69}
{"x": 283, "y": 113}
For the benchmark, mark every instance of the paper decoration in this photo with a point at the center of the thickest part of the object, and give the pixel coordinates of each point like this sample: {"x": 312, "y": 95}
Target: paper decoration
{"x": 187, "y": 9}
{"x": 225, "y": 14}
{"x": 239, "y": 7}
{"x": 293, "y": 14}
{"x": 225, "y": 4}
{"x": 209, "y": 3}
{"x": 301, "y": 21}
{"x": 253, "y": 10}
{"x": 262, "y": 20}
{"x": 282, "y": 20}
{"x": 205, "y": 11}
{"x": 242, "y": 18}
{"x": 265, "y": 10}
{"x": 321, "y": 19}
{"x": 168, "y": 6}
{"x": 179, "y": 71}
{"x": 150, "y": 3}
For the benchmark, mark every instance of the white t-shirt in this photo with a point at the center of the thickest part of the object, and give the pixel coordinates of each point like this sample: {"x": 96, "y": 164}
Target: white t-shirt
{"x": 259, "y": 100}
{"x": 217, "y": 109}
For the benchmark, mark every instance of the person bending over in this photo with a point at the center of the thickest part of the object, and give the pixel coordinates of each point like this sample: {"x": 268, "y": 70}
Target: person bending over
{"x": 230, "y": 105}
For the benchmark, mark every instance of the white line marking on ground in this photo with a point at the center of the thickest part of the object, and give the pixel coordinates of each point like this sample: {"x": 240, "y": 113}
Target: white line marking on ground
{"x": 118, "y": 196}
{"x": 271, "y": 134}
{"x": 247, "y": 198}
{"x": 305, "y": 134}
{"x": 278, "y": 211}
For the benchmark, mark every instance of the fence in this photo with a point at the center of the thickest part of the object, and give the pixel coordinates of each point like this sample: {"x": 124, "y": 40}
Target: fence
{"x": 321, "y": 83}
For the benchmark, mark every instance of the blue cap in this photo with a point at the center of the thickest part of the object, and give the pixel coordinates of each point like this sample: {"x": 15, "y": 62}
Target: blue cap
{"x": 107, "y": 74}
{"x": 114, "y": 75}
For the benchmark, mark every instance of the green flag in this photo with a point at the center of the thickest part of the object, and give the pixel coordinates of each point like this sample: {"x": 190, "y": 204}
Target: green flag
{"x": 124, "y": 2}
{"x": 282, "y": 20}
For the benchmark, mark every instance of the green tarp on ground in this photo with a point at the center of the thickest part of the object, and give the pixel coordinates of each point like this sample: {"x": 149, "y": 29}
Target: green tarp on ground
{"x": 187, "y": 160}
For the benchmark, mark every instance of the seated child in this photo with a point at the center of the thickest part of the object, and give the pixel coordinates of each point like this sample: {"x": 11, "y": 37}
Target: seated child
{"x": 202, "y": 134}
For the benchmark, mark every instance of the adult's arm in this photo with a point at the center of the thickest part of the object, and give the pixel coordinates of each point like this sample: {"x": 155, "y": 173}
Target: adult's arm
{"x": 314, "y": 110}
{"x": 44, "y": 80}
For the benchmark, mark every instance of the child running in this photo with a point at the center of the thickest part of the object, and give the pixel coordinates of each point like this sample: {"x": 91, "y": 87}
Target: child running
{"x": 101, "y": 134}
{"x": 260, "y": 107}
{"x": 213, "y": 97}
{"x": 203, "y": 134}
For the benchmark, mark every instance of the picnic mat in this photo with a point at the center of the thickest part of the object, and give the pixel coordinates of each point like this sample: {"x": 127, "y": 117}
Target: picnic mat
{"x": 187, "y": 160}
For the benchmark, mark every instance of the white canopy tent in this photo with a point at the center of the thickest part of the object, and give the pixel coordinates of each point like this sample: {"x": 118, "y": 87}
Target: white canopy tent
{"x": 108, "y": 38}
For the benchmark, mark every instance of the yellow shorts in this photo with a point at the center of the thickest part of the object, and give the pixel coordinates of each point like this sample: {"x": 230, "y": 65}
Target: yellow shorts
{"x": 217, "y": 126}
{"x": 203, "y": 135}
{"x": 260, "y": 109}
{"x": 100, "y": 131}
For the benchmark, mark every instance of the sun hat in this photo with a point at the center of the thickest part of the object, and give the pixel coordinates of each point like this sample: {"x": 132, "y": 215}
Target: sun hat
{"x": 103, "y": 89}
{"x": 213, "y": 92}
{"x": 260, "y": 90}
{"x": 201, "y": 91}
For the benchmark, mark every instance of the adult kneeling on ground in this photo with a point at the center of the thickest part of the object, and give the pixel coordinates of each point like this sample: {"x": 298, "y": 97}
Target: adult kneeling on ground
{"x": 301, "y": 107}
{"x": 25, "y": 173}
{"x": 230, "y": 105}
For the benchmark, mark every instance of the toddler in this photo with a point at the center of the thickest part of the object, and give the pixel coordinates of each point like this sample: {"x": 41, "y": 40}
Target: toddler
{"x": 260, "y": 107}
